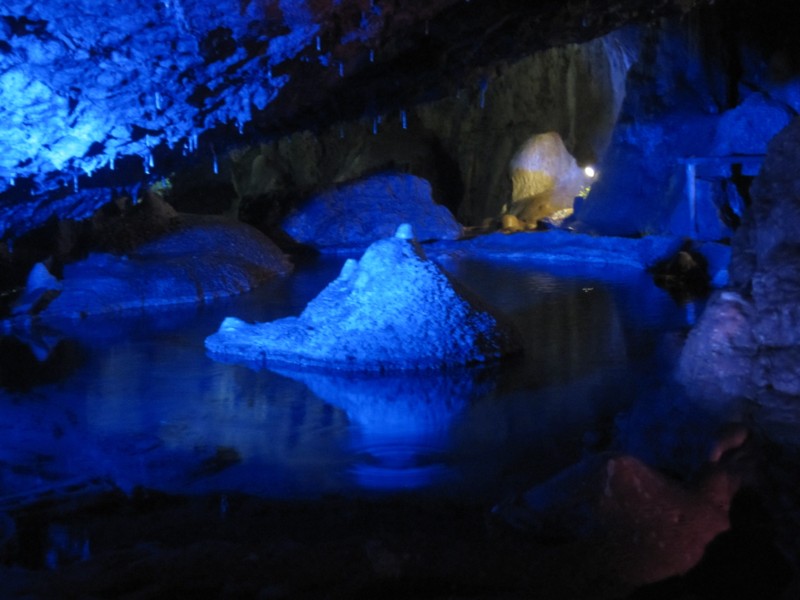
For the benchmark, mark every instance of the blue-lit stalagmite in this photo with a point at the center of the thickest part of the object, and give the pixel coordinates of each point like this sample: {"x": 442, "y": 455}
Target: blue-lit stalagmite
{"x": 394, "y": 309}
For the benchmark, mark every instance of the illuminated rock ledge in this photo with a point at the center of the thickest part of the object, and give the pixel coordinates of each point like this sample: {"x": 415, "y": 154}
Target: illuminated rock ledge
{"x": 392, "y": 310}
{"x": 202, "y": 259}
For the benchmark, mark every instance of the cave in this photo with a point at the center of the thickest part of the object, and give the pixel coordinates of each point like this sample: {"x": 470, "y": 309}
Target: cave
{"x": 400, "y": 298}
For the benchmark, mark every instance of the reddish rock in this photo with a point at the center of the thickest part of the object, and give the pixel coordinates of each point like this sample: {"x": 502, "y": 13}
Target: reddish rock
{"x": 647, "y": 526}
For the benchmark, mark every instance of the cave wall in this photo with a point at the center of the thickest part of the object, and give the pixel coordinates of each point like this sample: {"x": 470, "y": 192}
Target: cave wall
{"x": 746, "y": 345}
{"x": 710, "y": 84}
{"x": 462, "y": 144}
{"x": 97, "y": 97}
{"x": 710, "y": 78}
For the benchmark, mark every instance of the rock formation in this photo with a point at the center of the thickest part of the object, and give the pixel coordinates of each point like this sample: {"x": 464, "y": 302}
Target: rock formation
{"x": 747, "y": 343}
{"x": 201, "y": 259}
{"x": 365, "y": 211}
{"x": 394, "y": 309}
{"x": 545, "y": 178}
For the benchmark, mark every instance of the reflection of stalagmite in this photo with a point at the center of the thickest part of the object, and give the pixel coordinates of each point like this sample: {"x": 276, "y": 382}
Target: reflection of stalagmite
{"x": 649, "y": 525}
{"x": 397, "y": 405}
{"x": 402, "y": 422}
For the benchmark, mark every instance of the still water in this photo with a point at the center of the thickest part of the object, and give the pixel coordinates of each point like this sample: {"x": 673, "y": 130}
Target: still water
{"x": 136, "y": 401}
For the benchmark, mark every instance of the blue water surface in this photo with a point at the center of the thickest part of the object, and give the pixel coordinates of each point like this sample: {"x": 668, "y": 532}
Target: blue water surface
{"x": 135, "y": 401}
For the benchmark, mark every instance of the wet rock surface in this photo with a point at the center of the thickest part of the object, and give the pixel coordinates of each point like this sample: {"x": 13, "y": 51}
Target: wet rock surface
{"x": 393, "y": 309}
{"x": 362, "y": 212}
{"x": 545, "y": 178}
{"x": 191, "y": 261}
{"x": 746, "y": 342}
{"x": 652, "y": 526}
{"x": 745, "y": 346}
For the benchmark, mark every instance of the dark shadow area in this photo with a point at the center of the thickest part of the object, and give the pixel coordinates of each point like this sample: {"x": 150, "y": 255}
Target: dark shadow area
{"x": 25, "y": 366}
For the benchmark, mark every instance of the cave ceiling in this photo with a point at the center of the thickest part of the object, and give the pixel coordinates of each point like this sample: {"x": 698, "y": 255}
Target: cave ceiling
{"x": 89, "y": 86}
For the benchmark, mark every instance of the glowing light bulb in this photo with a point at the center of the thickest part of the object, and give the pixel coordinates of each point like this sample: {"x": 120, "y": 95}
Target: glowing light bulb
{"x": 589, "y": 171}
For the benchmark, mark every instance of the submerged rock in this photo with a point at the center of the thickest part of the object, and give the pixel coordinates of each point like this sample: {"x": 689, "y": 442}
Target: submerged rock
{"x": 392, "y": 310}
{"x": 648, "y": 525}
{"x": 201, "y": 259}
{"x": 362, "y": 212}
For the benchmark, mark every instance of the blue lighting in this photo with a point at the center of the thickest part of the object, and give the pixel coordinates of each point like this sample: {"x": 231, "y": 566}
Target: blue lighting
{"x": 392, "y": 310}
{"x": 400, "y": 425}
{"x": 139, "y": 403}
{"x": 80, "y": 82}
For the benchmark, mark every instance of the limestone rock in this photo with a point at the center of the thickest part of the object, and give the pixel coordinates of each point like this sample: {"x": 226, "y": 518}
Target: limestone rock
{"x": 41, "y": 284}
{"x": 649, "y": 526}
{"x": 510, "y": 223}
{"x": 746, "y": 343}
{"x": 360, "y": 213}
{"x": 545, "y": 178}
{"x": 392, "y": 310}
{"x": 747, "y": 128}
{"x": 201, "y": 260}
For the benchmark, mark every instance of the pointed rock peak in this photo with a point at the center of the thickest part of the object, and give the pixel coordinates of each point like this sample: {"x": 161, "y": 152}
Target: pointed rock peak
{"x": 404, "y": 232}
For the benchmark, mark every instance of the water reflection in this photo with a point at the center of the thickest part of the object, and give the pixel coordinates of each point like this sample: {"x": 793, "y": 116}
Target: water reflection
{"x": 28, "y": 361}
{"x": 400, "y": 423}
{"x": 136, "y": 401}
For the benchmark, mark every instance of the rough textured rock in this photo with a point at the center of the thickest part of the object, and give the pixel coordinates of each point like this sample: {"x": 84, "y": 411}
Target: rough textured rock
{"x": 660, "y": 526}
{"x": 201, "y": 259}
{"x": 166, "y": 73}
{"x": 392, "y": 310}
{"x": 718, "y": 360}
{"x": 365, "y": 211}
{"x": 748, "y": 128}
{"x": 678, "y": 107}
{"x": 545, "y": 178}
{"x": 746, "y": 344}
{"x": 575, "y": 90}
